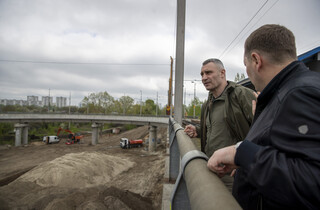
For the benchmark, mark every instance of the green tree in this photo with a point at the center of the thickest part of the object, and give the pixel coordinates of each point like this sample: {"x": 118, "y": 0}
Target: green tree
{"x": 195, "y": 105}
{"x": 126, "y": 103}
{"x": 5, "y": 128}
{"x": 136, "y": 109}
{"x": 239, "y": 77}
{"x": 149, "y": 107}
{"x": 8, "y": 108}
{"x": 100, "y": 102}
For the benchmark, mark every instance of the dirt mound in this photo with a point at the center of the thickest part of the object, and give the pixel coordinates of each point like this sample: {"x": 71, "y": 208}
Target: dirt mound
{"x": 78, "y": 170}
{"x": 110, "y": 198}
{"x": 115, "y": 198}
{"x": 83, "y": 176}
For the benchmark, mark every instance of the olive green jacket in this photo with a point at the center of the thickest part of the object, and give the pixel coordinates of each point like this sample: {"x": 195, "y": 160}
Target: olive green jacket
{"x": 238, "y": 113}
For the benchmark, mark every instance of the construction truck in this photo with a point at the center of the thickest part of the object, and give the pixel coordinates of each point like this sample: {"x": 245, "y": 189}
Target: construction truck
{"x": 127, "y": 144}
{"x": 72, "y": 138}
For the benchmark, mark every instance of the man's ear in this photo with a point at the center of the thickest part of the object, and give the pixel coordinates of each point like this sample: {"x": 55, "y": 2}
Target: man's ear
{"x": 257, "y": 60}
{"x": 223, "y": 73}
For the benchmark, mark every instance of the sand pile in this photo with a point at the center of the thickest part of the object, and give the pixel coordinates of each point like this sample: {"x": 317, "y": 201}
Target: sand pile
{"x": 78, "y": 170}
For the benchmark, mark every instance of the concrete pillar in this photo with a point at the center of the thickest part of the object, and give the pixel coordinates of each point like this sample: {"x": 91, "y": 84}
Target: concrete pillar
{"x": 95, "y": 133}
{"x": 152, "y": 138}
{"x": 25, "y": 135}
{"x": 18, "y": 131}
{"x": 21, "y": 131}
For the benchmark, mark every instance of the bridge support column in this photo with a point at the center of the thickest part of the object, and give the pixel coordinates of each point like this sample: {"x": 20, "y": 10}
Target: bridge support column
{"x": 95, "y": 133}
{"x": 152, "y": 138}
{"x": 25, "y": 132}
{"x": 21, "y": 131}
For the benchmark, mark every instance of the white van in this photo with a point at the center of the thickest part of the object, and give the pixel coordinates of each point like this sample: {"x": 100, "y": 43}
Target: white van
{"x": 52, "y": 139}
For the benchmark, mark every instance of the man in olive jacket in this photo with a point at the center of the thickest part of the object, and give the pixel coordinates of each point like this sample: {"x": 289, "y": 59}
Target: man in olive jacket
{"x": 227, "y": 114}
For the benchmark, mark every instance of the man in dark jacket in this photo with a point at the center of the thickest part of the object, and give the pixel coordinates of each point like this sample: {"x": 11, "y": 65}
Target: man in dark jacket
{"x": 278, "y": 163}
{"x": 227, "y": 114}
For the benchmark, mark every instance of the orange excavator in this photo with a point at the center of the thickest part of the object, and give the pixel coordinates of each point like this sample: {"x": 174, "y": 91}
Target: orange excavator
{"x": 72, "y": 138}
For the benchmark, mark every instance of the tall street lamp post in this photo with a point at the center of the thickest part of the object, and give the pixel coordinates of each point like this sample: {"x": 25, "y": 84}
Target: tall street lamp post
{"x": 194, "y": 98}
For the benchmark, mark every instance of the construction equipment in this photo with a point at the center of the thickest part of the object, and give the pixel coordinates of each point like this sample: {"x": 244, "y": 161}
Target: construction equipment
{"x": 127, "y": 144}
{"x": 169, "y": 105}
{"x": 72, "y": 138}
{"x": 50, "y": 139}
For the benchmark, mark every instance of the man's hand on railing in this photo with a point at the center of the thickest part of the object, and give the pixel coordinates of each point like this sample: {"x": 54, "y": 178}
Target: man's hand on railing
{"x": 190, "y": 130}
{"x": 222, "y": 161}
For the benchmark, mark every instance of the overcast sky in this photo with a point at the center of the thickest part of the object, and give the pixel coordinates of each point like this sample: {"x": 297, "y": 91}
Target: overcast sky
{"x": 123, "y": 47}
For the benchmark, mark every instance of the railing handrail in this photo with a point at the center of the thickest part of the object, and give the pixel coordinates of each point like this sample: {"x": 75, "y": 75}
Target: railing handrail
{"x": 205, "y": 190}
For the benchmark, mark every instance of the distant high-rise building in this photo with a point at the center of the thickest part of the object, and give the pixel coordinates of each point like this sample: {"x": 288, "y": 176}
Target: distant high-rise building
{"x": 3, "y": 102}
{"x": 13, "y": 102}
{"x": 32, "y": 100}
{"x": 46, "y": 101}
{"x": 61, "y": 101}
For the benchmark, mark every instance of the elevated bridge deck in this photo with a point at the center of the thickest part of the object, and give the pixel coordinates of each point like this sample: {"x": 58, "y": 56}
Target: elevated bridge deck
{"x": 22, "y": 121}
{"x": 91, "y": 118}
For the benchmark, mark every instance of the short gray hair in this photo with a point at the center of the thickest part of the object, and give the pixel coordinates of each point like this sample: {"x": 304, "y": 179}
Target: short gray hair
{"x": 215, "y": 61}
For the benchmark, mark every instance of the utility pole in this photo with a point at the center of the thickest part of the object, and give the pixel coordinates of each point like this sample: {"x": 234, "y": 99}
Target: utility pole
{"x": 88, "y": 105}
{"x": 140, "y": 102}
{"x": 184, "y": 102}
{"x": 169, "y": 105}
{"x": 194, "y": 99}
{"x": 157, "y": 106}
{"x": 124, "y": 102}
{"x": 69, "y": 108}
{"x": 49, "y": 101}
{"x": 69, "y": 102}
{"x": 179, "y": 73}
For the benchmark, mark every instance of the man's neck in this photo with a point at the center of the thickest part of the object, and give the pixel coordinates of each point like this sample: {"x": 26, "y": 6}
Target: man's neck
{"x": 272, "y": 71}
{"x": 219, "y": 90}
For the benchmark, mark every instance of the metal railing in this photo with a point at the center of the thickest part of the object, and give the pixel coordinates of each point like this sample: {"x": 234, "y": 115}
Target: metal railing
{"x": 196, "y": 187}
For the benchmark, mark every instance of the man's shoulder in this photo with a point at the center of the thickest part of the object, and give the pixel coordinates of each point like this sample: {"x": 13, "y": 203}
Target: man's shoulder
{"x": 305, "y": 80}
{"x": 239, "y": 89}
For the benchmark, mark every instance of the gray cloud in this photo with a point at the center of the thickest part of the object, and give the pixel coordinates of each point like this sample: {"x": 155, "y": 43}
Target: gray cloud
{"x": 130, "y": 32}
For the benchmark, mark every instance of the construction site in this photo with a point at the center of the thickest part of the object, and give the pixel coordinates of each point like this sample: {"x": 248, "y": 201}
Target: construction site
{"x": 84, "y": 176}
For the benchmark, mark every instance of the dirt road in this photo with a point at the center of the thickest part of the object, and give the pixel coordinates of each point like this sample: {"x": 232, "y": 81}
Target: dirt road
{"x": 82, "y": 176}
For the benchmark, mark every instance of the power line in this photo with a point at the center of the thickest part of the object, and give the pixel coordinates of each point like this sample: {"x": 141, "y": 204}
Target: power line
{"x": 254, "y": 24}
{"x": 84, "y": 63}
{"x": 243, "y": 28}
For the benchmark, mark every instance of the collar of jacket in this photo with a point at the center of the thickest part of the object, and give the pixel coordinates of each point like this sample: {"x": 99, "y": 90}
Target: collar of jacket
{"x": 228, "y": 89}
{"x": 274, "y": 85}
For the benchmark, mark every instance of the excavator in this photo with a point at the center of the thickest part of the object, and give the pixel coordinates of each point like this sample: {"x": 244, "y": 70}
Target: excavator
{"x": 72, "y": 138}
